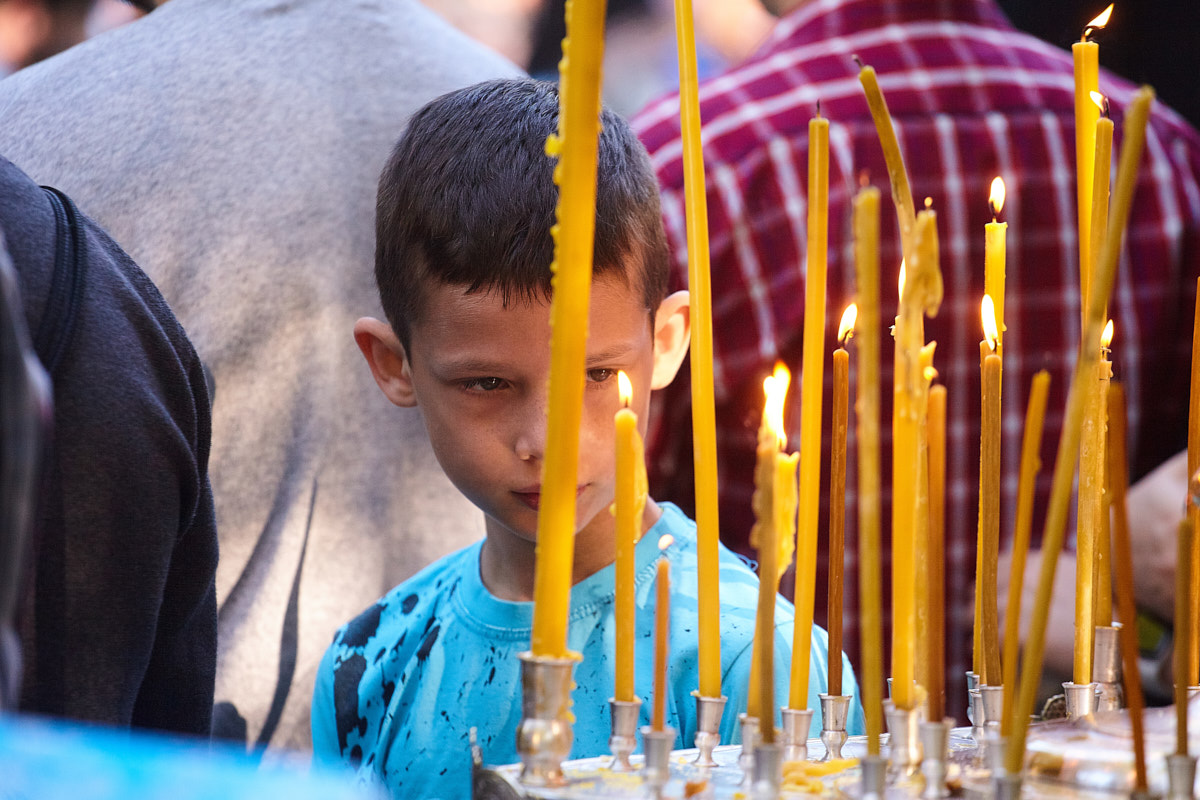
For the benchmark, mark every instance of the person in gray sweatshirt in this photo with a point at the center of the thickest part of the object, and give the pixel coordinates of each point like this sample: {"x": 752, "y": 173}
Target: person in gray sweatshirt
{"x": 232, "y": 148}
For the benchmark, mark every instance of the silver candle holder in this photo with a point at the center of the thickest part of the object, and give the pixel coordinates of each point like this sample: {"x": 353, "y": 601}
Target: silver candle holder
{"x": 545, "y": 736}
{"x": 835, "y": 708}
{"x": 1080, "y": 699}
{"x": 904, "y": 743}
{"x": 768, "y": 771}
{"x": 991, "y": 709}
{"x": 935, "y": 742}
{"x": 657, "y": 747}
{"x": 874, "y": 775}
{"x": 623, "y": 741}
{"x": 972, "y": 685}
{"x": 796, "y": 725}
{"x": 1008, "y": 787}
{"x": 1106, "y": 668}
{"x": 750, "y": 738}
{"x": 709, "y": 711}
{"x": 1181, "y": 777}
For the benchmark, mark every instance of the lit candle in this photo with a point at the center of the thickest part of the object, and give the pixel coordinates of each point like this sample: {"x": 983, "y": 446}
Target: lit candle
{"x": 704, "y": 442}
{"x": 575, "y": 145}
{"x": 1102, "y": 139}
{"x": 1086, "y": 56}
{"x": 989, "y": 502}
{"x": 837, "y": 495}
{"x": 812, "y": 382}
{"x": 1054, "y": 532}
{"x": 630, "y": 504}
{"x": 1118, "y": 472}
{"x": 1183, "y": 633}
{"x": 662, "y": 632}
{"x": 994, "y": 255}
{"x": 922, "y": 553}
{"x": 897, "y": 174}
{"x": 922, "y": 293}
{"x": 935, "y": 648}
{"x": 1035, "y": 415}
{"x": 1102, "y": 588}
{"x": 870, "y": 573}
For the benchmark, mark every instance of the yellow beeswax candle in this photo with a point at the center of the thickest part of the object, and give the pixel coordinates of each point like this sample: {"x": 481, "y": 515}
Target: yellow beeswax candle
{"x": 1086, "y": 56}
{"x": 870, "y": 574}
{"x": 897, "y": 174}
{"x": 994, "y": 256}
{"x": 1035, "y": 416}
{"x": 812, "y": 382}
{"x": 837, "y": 503}
{"x": 1118, "y": 471}
{"x": 704, "y": 441}
{"x": 1193, "y": 464}
{"x": 989, "y": 501}
{"x": 1183, "y": 569}
{"x": 630, "y": 505}
{"x": 1102, "y": 138}
{"x": 1102, "y": 574}
{"x": 923, "y": 667}
{"x": 662, "y": 633}
{"x": 935, "y": 647}
{"x": 575, "y": 144}
{"x": 1134, "y": 140}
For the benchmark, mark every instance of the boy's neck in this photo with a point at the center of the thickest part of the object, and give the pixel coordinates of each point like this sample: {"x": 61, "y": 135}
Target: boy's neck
{"x": 506, "y": 562}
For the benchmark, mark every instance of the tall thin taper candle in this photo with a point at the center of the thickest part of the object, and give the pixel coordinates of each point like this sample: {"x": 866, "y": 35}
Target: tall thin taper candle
{"x": 811, "y": 385}
{"x": 898, "y": 175}
{"x": 1183, "y": 634}
{"x": 1102, "y": 574}
{"x": 870, "y": 573}
{"x": 936, "y": 647}
{"x": 630, "y": 505}
{"x": 704, "y": 442}
{"x": 1193, "y": 464}
{"x": 575, "y": 144}
{"x": 989, "y": 503}
{"x": 1035, "y": 416}
{"x": 1134, "y": 141}
{"x": 995, "y": 251}
{"x": 1086, "y": 56}
{"x": 1118, "y": 471}
{"x": 662, "y": 634}
{"x": 837, "y": 502}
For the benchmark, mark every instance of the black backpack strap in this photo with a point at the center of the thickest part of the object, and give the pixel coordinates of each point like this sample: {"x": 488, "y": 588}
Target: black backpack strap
{"x": 66, "y": 287}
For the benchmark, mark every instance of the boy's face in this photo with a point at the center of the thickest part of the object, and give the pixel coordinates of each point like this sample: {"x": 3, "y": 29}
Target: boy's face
{"x": 481, "y": 372}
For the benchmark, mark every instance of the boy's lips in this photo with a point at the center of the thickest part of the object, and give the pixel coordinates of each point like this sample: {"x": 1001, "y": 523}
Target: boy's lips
{"x": 532, "y": 496}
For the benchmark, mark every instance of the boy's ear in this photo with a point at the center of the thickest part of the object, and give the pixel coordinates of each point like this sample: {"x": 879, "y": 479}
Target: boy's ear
{"x": 672, "y": 328}
{"x": 388, "y": 361}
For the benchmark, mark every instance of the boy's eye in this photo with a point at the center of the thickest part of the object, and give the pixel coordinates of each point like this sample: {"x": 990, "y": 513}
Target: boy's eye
{"x": 600, "y": 375}
{"x": 483, "y": 384}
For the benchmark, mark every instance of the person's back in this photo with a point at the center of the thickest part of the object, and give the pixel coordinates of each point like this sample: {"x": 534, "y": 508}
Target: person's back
{"x": 971, "y": 99}
{"x": 232, "y": 147}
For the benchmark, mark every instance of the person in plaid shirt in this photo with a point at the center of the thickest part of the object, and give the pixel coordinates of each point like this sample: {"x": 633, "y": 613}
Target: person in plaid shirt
{"x": 971, "y": 98}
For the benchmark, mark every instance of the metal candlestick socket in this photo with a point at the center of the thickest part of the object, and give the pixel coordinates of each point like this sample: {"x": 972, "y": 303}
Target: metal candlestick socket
{"x": 904, "y": 743}
{"x": 768, "y": 771}
{"x": 935, "y": 741}
{"x": 994, "y": 757}
{"x": 624, "y": 731}
{"x": 544, "y": 737}
{"x": 1106, "y": 668}
{"x": 657, "y": 747}
{"x": 1008, "y": 787}
{"x": 1081, "y": 700}
{"x": 874, "y": 771}
{"x": 1181, "y": 777}
{"x": 750, "y": 736}
{"x": 796, "y": 725}
{"x": 987, "y": 721}
{"x": 708, "y": 726}
{"x": 972, "y": 685}
{"x": 835, "y": 708}
{"x": 1138, "y": 794}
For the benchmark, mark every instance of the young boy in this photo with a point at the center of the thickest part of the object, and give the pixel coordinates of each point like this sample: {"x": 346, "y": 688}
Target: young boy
{"x": 465, "y": 207}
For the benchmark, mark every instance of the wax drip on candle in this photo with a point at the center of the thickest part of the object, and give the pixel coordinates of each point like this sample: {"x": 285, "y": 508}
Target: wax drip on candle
{"x": 1096, "y": 24}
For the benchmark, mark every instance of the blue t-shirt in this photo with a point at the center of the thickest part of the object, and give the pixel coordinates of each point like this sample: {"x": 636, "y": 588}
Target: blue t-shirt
{"x": 401, "y": 686}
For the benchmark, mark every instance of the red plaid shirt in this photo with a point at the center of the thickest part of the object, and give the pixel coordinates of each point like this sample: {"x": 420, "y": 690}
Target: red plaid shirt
{"x": 971, "y": 98}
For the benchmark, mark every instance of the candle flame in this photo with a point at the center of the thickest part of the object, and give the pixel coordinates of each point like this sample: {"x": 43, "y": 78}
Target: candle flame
{"x": 1099, "y": 22}
{"x": 1107, "y": 337}
{"x": 846, "y": 327}
{"x": 775, "y": 387}
{"x": 1101, "y": 102}
{"x": 624, "y": 388}
{"x": 996, "y": 197}
{"x": 665, "y": 541}
{"x": 987, "y": 310}
{"x": 900, "y": 290}
{"x": 929, "y": 202}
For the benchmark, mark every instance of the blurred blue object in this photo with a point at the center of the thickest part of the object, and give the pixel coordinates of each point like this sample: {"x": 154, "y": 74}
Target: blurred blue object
{"x": 50, "y": 759}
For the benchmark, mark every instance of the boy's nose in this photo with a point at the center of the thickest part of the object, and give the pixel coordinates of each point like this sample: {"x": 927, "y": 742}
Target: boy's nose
{"x": 530, "y": 442}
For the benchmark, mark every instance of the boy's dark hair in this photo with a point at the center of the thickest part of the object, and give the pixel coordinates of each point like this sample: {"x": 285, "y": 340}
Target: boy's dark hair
{"x": 467, "y": 199}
